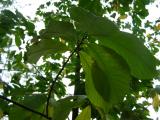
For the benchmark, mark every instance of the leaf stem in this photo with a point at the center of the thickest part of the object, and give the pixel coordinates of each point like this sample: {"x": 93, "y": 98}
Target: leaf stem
{"x": 24, "y": 107}
{"x": 63, "y": 66}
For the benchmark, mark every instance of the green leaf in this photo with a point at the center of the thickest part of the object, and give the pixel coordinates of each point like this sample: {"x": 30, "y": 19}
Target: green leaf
{"x": 62, "y": 29}
{"x": 141, "y": 62}
{"x": 17, "y": 40}
{"x": 92, "y": 93}
{"x": 35, "y": 102}
{"x": 110, "y": 73}
{"x": 85, "y": 114}
{"x": 45, "y": 46}
{"x": 93, "y": 6}
{"x": 62, "y": 107}
{"x": 91, "y": 23}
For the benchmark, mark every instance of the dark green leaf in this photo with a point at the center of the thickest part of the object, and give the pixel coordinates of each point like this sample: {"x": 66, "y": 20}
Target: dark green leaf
{"x": 62, "y": 29}
{"x": 62, "y": 107}
{"x": 35, "y": 102}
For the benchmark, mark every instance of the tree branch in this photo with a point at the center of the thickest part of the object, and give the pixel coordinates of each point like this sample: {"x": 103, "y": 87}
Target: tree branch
{"x": 24, "y": 107}
{"x": 63, "y": 66}
{"x": 77, "y": 81}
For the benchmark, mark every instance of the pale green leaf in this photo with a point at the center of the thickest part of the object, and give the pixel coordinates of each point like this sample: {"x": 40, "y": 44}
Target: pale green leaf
{"x": 110, "y": 74}
{"x": 85, "y": 114}
{"x": 44, "y": 47}
{"x": 91, "y": 91}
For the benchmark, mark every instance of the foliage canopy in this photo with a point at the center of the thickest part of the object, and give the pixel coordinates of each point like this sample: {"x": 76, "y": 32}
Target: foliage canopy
{"x": 110, "y": 69}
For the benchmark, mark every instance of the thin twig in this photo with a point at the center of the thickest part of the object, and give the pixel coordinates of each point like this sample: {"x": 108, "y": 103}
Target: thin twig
{"x": 24, "y": 107}
{"x": 63, "y": 66}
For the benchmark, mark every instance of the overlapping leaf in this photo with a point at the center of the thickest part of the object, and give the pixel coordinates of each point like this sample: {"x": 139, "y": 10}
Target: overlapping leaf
{"x": 60, "y": 109}
{"x": 110, "y": 73}
{"x": 45, "y": 46}
{"x": 138, "y": 57}
{"x": 92, "y": 93}
{"x": 61, "y": 29}
{"x": 35, "y": 102}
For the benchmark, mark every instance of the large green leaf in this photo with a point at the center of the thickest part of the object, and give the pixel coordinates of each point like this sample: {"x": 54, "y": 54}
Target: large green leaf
{"x": 91, "y": 91}
{"x": 110, "y": 73}
{"x": 61, "y": 29}
{"x": 91, "y": 23}
{"x": 60, "y": 109}
{"x": 138, "y": 57}
{"x": 35, "y": 102}
{"x": 45, "y": 46}
{"x": 141, "y": 62}
{"x": 85, "y": 114}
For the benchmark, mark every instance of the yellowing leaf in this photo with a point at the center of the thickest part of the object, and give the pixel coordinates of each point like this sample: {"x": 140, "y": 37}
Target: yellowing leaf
{"x": 123, "y": 17}
{"x": 1, "y": 113}
{"x": 156, "y": 102}
{"x": 85, "y": 114}
{"x": 158, "y": 27}
{"x": 1, "y": 85}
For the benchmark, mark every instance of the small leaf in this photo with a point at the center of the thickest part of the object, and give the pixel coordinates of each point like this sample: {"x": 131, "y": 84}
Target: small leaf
{"x": 1, "y": 113}
{"x": 156, "y": 102}
{"x": 157, "y": 89}
{"x": 85, "y": 114}
{"x": 17, "y": 40}
{"x": 158, "y": 27}
{"x": 44, "y": 47}
{"x": 123, "y": 17}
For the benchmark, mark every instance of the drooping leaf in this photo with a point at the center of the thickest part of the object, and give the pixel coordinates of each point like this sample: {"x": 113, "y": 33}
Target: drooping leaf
{"x": 91, "y": 91}
{"x": 61, "y": 29}
{"x": 138, "y": 57}
{"x": 61, "y": 108}
{"x": 35, "y": 102}
{"x": 45, "y": 46}
{"x": 85, "y": 114}
{"x": 110, "y": 73}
